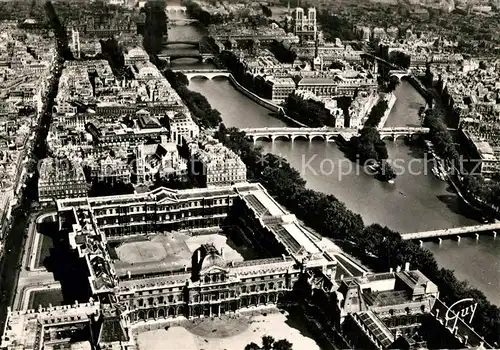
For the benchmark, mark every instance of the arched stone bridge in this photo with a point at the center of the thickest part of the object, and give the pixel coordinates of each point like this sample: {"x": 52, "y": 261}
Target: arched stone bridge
{"x": 326, "y": 133}
{"x": 203, "y": 73}
{"x": 183, "y": 42}
{"x": 399, "y": 73}
{"x": 202, "y": 57}
{"x": 181, "y": 21}
{"x": 175, "y": 9}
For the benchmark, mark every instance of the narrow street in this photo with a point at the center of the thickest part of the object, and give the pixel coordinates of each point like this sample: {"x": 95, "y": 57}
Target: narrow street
{"x": 10, "y": 265}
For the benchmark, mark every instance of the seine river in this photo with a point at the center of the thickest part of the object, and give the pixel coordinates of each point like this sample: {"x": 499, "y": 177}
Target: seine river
{"x": 417, "y": 201}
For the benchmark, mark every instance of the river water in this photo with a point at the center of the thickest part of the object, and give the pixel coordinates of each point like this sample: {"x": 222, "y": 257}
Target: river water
{"x": 417, "y": 201}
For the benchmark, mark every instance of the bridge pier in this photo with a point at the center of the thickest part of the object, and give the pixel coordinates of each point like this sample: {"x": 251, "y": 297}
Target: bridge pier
{"x": 459, "y": 238}
{"x": 420, "y": 243}
{"x": 477, "y": 236}
{"x": 440, "y": 241}
{"x": 494, "y": 234}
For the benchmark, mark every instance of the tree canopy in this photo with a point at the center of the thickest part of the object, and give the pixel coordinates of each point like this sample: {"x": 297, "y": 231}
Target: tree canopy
{"x": 309, "y": 112}
{"x": 203, "y": 114}
{"x": 440, "y": 136}
{"x": 269, "y": 343}
{"x": 377, "y": 246}
{"x": 155, "y": 27}
{"x": 377, "y": 113}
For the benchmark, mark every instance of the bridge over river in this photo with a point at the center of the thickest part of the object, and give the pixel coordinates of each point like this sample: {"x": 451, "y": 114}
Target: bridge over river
{"x": 327, "y": 133}
{"x": 198, "y": 51}
{"x": 174, "y": 9}
{"x": 455, "y": 231}
{"x": 203, "y": 73}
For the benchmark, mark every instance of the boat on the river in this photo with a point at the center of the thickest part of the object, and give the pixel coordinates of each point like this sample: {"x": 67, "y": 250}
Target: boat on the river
{"x": 438, "y": 173}
{"x": 385, "y": 173}
{"x": 374, "y": 167}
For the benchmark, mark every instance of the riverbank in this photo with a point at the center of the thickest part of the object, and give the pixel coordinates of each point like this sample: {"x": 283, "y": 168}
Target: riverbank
{"x": 417, "y": 85}
{"x": 391, "y": 100}
{"x": 377, "y": 246}
{"x": 399, "y": 206}
{"x": 265, "y": 103}
{"x": 286, "y": 184}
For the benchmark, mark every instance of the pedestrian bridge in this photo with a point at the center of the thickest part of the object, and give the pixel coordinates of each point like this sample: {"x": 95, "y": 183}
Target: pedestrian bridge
{"x": 455, "y": 231}
{"x": 326, "y": 133}
{"x": 203, "y": 73}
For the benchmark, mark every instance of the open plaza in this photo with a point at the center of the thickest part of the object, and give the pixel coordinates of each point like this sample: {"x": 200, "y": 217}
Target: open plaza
{"x": 227, "y": 333}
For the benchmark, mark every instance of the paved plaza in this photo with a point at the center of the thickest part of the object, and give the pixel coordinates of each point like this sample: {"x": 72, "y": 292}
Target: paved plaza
{"x": 226, "y": 333}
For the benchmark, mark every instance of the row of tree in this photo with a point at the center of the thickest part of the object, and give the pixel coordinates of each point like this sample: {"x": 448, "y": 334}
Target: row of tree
{"x": 308, "y": 112}
{"x": 400, "y": 59}
{"x": 368, "y": 145}
{"x": 194, "y": 10}
{"x": 335, "y": 27}
{"x": 269, "y": 343}
{"x": 377, "y": 246}
{"x": 377, "y": 113}
{"x": 440, "y": 135}
{"x": 155, "y": 28}
{"x": 203, "y": 114}
{"x": 487, "y": 191}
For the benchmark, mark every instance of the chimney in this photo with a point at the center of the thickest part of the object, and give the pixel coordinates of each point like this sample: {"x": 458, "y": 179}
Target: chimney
{"x": 391, "y": 270}
{"x": 129, "y": 274}
{"x": 466, "y": 339}
{"x": 398, "y": 269}
{"x": 198, "y": 254}
{"x": 407, "y": 266}
{"x": 341, "y": 277}
{"x": 185, "y": 268}
{"x": 222, "y": 252}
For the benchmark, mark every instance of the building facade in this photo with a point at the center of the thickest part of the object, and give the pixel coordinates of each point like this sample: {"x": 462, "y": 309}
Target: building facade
{"x": 305, "y": 24}
{"x": 158, "y": 160}
{"x": 278, "y": 89}
{"x": 61, "y": 178}
{"x": 216, "y": 165}
{"x": 211, "y": 288}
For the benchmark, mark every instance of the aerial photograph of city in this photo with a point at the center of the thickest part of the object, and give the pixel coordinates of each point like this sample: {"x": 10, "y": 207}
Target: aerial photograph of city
{"x": 249, "y": 175}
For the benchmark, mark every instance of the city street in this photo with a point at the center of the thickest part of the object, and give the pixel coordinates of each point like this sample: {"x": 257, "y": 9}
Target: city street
{"x": 23, "y": 214}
